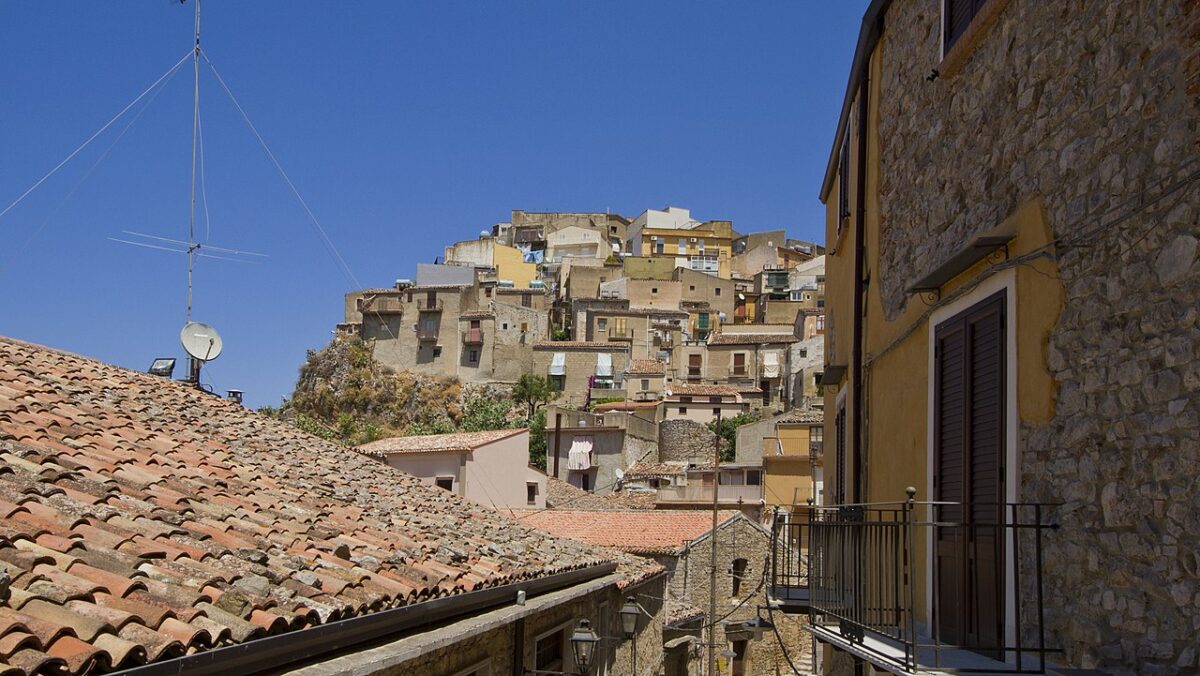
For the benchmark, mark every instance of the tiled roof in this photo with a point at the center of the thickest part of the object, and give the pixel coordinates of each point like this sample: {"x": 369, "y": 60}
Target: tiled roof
{"x": 482, "y": 314}
{"x": 647, "y": 367}
{"x": 562, "y": 495}
{"x": 143, "y": 519}
{"x": 689, "y": 389}
{"x": 659, "y": 531}
{"x": 678, "y": 612}
{"x": 656, "y": 470}
{"x": 802, "y": 417}
{"x": 580, "y": 345}
{"x": 460, "y": 442}
{"x": 751, "y": 338}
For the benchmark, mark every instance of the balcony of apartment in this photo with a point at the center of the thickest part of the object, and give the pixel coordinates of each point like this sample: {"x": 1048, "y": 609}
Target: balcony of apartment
{"x": 919, "y": 587}
{"x": 615, "y": 335}
{"x": 816, "y": 448}
{"x": 472, "y": 337}
{"x": 703, "y": 493}
{"x": 645, "y": 395}
{"x": 382, "y": 306}
{"x": 739, "y": 371}
{"x": 427, "y": 333}
{"x": 427, "y": 305}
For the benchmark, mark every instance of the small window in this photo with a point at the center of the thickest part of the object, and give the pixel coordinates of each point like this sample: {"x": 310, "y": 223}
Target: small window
{"x": 804, "y": 353}
{"x": 602, "y": 324}
{"x": 753, "y": 477}
{"x": 717, "y": 291}
{"x": 645, "y": 384}
{"x": 956, "y": 18}
{"x": 558, "y": 382}
{"x": 504, "y": 325}
{"x": 524, "y": 327}
{"x": 844, "y": 182}
{"x": 437, "y": 350}
{"x": 445, "y": 483}
{"x": 531, "y": 492}
{"x": 685, "y": 399}
{"x": 487, "y": 292}
{"x": 526, "y": 300}
{"x": 473, "y": 356}
{"x": 736, "y": 573}
{"x": 654, "y": 289}
{"x": 717, "y": 411}
{"x": 683, "y": 409}
{"x": 692, "y": 287}
{"x": 714, "y": 400}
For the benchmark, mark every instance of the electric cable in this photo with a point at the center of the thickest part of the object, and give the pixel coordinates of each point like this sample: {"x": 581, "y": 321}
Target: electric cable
{"x": 86, "y": 143}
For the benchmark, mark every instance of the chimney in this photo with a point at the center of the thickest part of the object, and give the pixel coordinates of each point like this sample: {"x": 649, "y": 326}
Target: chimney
{"x": 235, "y": 396}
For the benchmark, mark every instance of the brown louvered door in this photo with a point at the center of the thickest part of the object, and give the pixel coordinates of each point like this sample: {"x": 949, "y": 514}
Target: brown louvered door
{"x": 969, "y": 472}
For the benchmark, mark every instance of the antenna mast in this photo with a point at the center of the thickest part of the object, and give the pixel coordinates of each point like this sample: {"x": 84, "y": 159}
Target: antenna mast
{"x": 192, "y": 247}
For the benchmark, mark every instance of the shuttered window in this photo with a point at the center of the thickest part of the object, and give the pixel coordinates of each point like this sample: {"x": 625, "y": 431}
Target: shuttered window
{"x": 969, "y": 441}
{"x": 844, "y": 182}
{"x": 957, "y": 15}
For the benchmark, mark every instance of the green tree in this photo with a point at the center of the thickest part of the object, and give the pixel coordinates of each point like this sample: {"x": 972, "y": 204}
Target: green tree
{"x": 423, "y": 427}
{"x": 533, "y": 391}
{"x": 728, "y": 432}
{"x": 537, "y": 440}
{"x": 485, "y": 413}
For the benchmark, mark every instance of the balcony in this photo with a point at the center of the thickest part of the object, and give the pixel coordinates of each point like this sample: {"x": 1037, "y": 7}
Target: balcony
{"x": 914, "y": 587}
{"x": 816, "y": 448}
{"x": 701, "y": 492}
{"x": 426, "y": 305}
{"x": 617, "y": 335}
{"x": 427, "y": 334}
{"x": 738, "y": 371}
{"x": 381, "y": 306}
{"x": 472, "y": 337}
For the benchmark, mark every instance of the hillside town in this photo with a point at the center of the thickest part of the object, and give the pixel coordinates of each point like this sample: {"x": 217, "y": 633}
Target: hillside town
{"x": 593, "y": 444}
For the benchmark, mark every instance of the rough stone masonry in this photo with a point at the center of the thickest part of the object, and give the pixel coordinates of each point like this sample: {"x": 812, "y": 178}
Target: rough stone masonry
{"x": 1093, "y": 108}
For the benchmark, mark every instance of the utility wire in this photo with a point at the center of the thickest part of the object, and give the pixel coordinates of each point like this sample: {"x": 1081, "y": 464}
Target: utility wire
{"x": 68, "y": 158}
{"x": 87, "y": 174}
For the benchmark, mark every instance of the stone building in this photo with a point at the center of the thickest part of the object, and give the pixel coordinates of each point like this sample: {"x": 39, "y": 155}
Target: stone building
{"x": 755, "y": 357}
{"x": 645, "y": 379}
{"x": 681, "y": 541}
{"x": 591, "y": 450}
{"x": 200, "y": 537}
{"x": 1012, "y": 206}
{"x": 674, "y": 235}
{"x": 581, "y": 370}
{"x": 703, "y": 403}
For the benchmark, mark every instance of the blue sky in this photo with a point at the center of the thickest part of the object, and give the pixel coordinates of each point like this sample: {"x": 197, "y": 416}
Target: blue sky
{"x": 405, "y": 126}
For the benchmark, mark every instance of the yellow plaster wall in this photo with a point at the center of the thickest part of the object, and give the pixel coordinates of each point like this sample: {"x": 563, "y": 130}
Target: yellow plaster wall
{"x": 510, "y": 264}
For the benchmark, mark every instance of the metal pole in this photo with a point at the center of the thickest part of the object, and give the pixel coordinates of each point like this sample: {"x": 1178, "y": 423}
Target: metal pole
{"x": 195, "y": 133}
{"x": 712, "y": 563}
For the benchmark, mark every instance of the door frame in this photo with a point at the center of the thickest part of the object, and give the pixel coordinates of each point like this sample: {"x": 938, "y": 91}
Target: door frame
{"x": 1005, "y": 280}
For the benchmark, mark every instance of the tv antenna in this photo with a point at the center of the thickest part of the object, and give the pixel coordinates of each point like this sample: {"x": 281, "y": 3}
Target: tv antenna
{"x": 195, "y": 334}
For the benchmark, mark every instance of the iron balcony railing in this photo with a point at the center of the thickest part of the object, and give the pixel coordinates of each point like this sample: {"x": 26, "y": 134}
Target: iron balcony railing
{"x": 816, "y": 448}
{"x": 381, "y": 305}
{"x": 472, "y": 337}
{"x": 425, "y": 305}
{"x": 947, "y": 586}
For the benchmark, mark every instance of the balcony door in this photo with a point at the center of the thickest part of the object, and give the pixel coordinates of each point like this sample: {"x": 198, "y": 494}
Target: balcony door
{"x": 969, "y": 466}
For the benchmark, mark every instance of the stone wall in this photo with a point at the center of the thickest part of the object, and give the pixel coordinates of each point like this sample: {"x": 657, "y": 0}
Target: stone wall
{"x": 690, "y": 582}
{"x": 1091, "y": 107}
{"x": 684, "y": 440}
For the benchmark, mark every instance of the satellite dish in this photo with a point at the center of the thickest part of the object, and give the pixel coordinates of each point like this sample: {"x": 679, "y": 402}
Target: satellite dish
{"x": 201, "y": 341}
{"x": 620, "y": 473}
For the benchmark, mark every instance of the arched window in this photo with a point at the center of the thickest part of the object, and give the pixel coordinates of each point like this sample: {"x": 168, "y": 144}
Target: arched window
{"x": 737, "y": 572}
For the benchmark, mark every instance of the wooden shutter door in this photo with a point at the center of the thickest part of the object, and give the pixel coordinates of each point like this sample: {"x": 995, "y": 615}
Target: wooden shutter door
{"x": 969, "y": 419}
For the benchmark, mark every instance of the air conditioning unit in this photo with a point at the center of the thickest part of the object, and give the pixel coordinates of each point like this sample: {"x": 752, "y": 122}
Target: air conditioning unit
{"x": 693, "y": 240}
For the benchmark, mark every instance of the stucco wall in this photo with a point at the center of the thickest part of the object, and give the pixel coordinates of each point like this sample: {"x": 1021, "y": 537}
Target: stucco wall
{"x": 495, "y": 475}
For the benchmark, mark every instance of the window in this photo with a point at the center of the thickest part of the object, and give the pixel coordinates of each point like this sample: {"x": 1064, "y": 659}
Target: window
{"x": 685, "y": 399}
{"x": 430, "y": 299}
{"x": 739, "y": 363}
{"x": 683, "y": 410}
{"x": 504, "y": 325}
{"x": 473, "y": 356}
{"x": 410, "y": 296}
{"x": 736, "y": 573}
{"x": 548, "y": 651}
{"x": 692, "y": 287}
{"x": 753, "y": 477}
{"x": 618, "y": 327}
{"x": 526, "y": 300}
{"x": 714, "y": 400}
{"x": 804, "y": 353}
{"x": 645, "y": 384}
{"x": 682, "y": 245}
{"x": 558, "y": 382}
{"x": 816, "y": 434}
{"x": 531, "y": 492}
{"x": 487, "y": 292}
{"x": 445, "y": 483}
{"x": 437, "y": 350}
{"x": 660, "y": 247}
{"x": 732, "y": 479}
{"x": 602, "y": 324}
{"x": 524, "y": 327}
{"x": 654, "y": 289}
{"x": 695, "y": 362}
{"x": 717, "y": 291}
{"x": 717, "y": 411}
{"x": 956, "y": 18}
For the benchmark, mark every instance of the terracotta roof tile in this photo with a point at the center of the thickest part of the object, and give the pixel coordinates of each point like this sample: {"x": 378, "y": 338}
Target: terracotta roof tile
{"x": 649, "y": 367}
{"x": 551, "y": 345}
{"x": 142, "y": 519}
{"x": 663, "y": 531}
{"x": 690, "y": 389}
{"x": 434, "y": 443}
{"x": 752, "y": 338}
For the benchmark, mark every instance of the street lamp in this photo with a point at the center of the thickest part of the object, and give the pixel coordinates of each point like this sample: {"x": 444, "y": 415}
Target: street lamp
{"x": 629, "y": 620}
{"x": 583, "y": 645}
{"x": 629, "y": 617}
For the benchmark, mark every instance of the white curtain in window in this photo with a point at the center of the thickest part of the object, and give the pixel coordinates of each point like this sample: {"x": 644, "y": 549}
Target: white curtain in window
{"x": 604, "y": 366}
{"x": 558, "y": 365}
{"x": 771, "y": 364}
